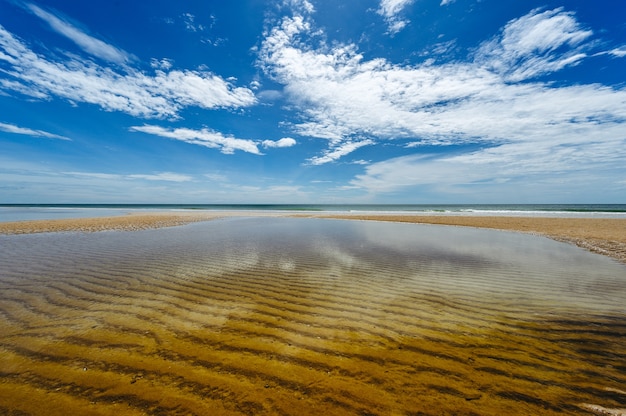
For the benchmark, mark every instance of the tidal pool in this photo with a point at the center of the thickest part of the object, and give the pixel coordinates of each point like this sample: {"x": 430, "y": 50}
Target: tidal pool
{"x": 309, "y": 316}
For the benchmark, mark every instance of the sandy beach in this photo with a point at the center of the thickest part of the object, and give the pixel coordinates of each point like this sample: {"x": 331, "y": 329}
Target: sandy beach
{"x": 600, "y": 235}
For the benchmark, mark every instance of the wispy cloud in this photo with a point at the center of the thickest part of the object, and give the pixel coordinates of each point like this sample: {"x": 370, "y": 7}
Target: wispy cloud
{"x": 508, "y": 169}
{"x": 67, "y": 186}
{"x": 89, "y": 44}
{"x": 11, "y": 128}
{"x": 338, "y": 151}
{"x": 391, "y": 11}
{"x": 190, "y": 23}
{"x": 161, "y": 176}
{"x": 304, "y": 6}
{"x": 213, "y": 139}
{"x": 203, "y": 137}
{"x": 527, "y": 46}
{"x": 618, "y": 52}
{"x": 495, "y": 97}
{"x": 161, "y": 95}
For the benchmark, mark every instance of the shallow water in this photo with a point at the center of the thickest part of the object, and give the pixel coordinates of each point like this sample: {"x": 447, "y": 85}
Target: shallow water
{"x": 309, "y": 316}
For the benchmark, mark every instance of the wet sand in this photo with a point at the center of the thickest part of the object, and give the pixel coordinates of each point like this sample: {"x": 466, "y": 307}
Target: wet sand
{"x": 244, "y": 316}
{"x": 600, "y": 235}
{"x": 130, "y": 222}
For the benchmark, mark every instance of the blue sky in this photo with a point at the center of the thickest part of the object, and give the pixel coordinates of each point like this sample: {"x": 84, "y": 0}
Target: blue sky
{"x": 295, "y": 101}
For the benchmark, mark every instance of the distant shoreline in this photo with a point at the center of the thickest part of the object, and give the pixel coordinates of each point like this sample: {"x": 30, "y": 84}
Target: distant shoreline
{"x": 606, "y": 236}
{"x": 24, "y": 212}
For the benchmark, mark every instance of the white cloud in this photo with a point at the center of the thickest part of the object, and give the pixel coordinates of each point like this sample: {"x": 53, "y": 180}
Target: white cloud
{"x": 189, "y": 20}
{"x": 269, "y": 95}
{"x": 161, "y": 176}
{"x": 339, "y": 151}
{"x": 284, "y": 142}
{"x": 527, "y": 46}
{"x": 527, "y": 169}
{"x": 204, "y": 137}
{"x": 492, "y": 98}
{"x": 162, "y": 64}
{"x": 446, "y": 2}
{"x": 31, "y": 182}
{"x": 161, "y": 95}
{"x": 94, "y": 175}
{"x": 304, "y": 6}
{"x": 391, "y": 10}
{"x": 11, "y": 128}
{"x": 216, "y": 177}
{"x": 619, "y": 52}
{"x": 89, "y": 44}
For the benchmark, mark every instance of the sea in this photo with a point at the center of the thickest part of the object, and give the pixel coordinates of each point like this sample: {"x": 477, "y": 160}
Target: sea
{"x": 25, "y": 212}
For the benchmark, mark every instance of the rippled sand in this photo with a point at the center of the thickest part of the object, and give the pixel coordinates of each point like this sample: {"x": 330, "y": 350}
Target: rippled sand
{"x": 309, "y": 316}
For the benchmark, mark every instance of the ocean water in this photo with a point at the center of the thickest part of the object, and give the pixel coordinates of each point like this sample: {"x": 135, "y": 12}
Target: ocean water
{"x": 21, "y": 212}
{"x": 307, "y": 317}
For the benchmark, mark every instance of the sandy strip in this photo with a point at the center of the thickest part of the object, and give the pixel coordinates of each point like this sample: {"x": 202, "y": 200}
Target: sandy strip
{"x": 128, "y": 222}
{"x": 131, "y": 222}
{"x": 600, "y": 235}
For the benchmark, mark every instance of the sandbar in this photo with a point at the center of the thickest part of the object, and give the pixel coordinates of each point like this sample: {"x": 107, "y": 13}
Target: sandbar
{"x": 606, "y": 236}
{"x": 131, "y": 222}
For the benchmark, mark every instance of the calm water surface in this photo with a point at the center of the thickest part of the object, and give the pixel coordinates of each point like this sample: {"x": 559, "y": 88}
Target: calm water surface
{"x": 309, "y": 316}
